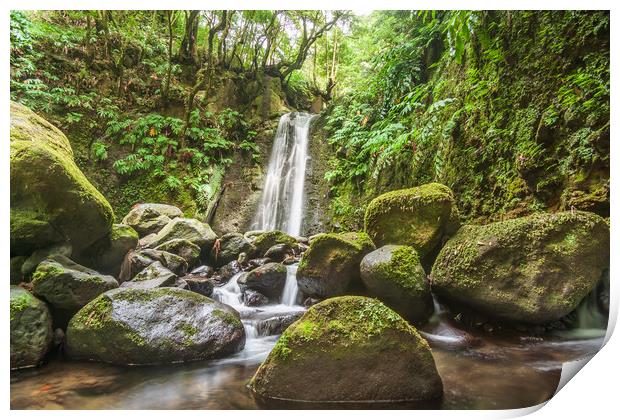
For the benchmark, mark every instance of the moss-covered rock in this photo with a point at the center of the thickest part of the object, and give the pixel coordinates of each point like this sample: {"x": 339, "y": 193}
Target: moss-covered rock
{"x": 31, "y": 329}
{"x": 31, "y": 263}
{"x": 191, "y": 230}
{"x": 155, "y": 275}
{"x": 393, "y": 273}
{"x": 163, "y": 325}
{"x": 533, "y": 269}
{"x": 349, "y": 348}
{"x": 266, "y": 240}
{"x": 330, "y": 266}
{"x": 268, "y": 279}
{"x": 147, "y": 218}
{"x": 185, "y": 249}
{"x": 420, "y": 217}
{"x": 107, "y": 254}
{"x": 51, "y": 199}
{"x": 229, "y": 247}
{"x": 67, "y": 285}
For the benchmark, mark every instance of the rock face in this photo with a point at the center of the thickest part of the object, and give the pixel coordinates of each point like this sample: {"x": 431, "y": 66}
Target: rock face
{"x": 420, "y": 217}
{"x": 331, "y": 264}
{"x": 31, "y": 329}
{"x": 268, "y": 279}
{"x": 51, "y": 199}
{"x": 349, "y": 348}
{"x": 266, "y": 240}
{"x": 191, "y": 230}
{"x": 67, "y": 285}
{"x": 229, "y": 248}
{"x": 107, "y": 254}
{"x": 185, "y": 249}
{"x": 533, "y": 269}
{"x": 164, "y": 325}
{"x": 393, "y": 274}
{"x": 150, "y": 218}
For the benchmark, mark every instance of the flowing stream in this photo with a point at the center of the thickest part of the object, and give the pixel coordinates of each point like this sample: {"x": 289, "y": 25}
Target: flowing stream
{"x": 479, "y": 370}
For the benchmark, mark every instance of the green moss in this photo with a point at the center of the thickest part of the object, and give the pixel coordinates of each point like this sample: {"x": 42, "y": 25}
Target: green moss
{"x": 46, "y": 271}
{"x": 266, "y": 240}
{"x": 228, "y": 317}
{"x": 21, "y": 303}
{"x": 405, "y": 269}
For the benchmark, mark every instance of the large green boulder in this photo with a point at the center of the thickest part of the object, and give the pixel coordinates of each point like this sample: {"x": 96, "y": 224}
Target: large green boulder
{"x": 51, "y": 199}
{"x": 393, "y": 274}
{"x": 349, "y": 348}
{"x": 107, "y": 254}
{"x": 533, "y": 269}
{"x": 330, "y": 266}
{"x": 67, "y": 285}
{"x": 147, "y": 218}
{"x": 31, "y": 329}
{"x": 420, "y": 217}
{"x": 191, "y": 230}
{"x": 162, "y": 325}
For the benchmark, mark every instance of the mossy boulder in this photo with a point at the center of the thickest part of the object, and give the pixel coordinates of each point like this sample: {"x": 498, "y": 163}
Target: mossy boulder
{"x": 107, "y": 254}
{"x": 229, "y": 247}
{"x": 268, "y": 279}
{"x": 533, "y": 269}
{"x": 155, "y": 275}
{"x": 420, "y": 217}
{"x": 51, "y": 199}
{"x": 31, "y": 329}
{"x": 393, "y": 274}
{"x": 163, "y": 325}
{"x": 147, "y": 218}
{"x": 185, "y": 249}
{"x": 330, "y": 266}
{"x": 67, "y": 285}
{"x": 31, "y": 263}
{"x": 191, "y": 230}
{"x": 349, "y": 348}
{"x": 266, "y": 240}
{"x": 135, "y": 262}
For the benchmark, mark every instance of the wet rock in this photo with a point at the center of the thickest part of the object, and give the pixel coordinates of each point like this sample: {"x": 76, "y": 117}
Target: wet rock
{"x": 31, "y": 328}
{"x": 309, "y": 301}
{"x": 369, "y": 351}
{"x": 146, "y": 241}
{"x": 277, "y": 324}
{"x": 266, "y": 240}
{"x": 51, "y": 199}
{"x": 228, "y": 248}
{"x": 150, "y": 218}
{"x": 191, "y": 230}
{"x": 67, "y": 285}
{"x": 185, "y": 249}
{"x": 107, "y": 254}
{"x": 257, "y": 262}
{"x": 155, "y": 275}
{"x": 279, "y": 252}
{"x": 226, "y": 272}
{"x": 421, "y": 217}
{"x": 203, "y": 271}
{"x": 138, "y": 261}
{"x": 199, "y": 284}
{"x": 243, "y": 259}
{"x": 393, "y": 274}
{"x": 268, "y": 279}
{"x": 163, "y": 325}
{"x": 331, "y": 266}
{"x": 254, "y": 298}
{"x": 31, "y": 263}
{"x": 290, "y": 260}
{"x": 533, "y": 269}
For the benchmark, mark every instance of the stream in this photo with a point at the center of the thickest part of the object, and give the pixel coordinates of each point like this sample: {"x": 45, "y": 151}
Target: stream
{"x": 479, "y": 370}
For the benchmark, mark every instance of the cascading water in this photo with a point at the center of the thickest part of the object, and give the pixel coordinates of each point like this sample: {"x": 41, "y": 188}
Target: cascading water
{"x": 281, "y": 208}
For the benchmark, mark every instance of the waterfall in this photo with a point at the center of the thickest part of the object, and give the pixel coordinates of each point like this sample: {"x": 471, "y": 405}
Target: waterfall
{"x": 282, "y": 201}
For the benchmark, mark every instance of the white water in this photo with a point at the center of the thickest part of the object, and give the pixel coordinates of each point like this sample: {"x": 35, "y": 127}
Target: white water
{"x": 281, "y": 205}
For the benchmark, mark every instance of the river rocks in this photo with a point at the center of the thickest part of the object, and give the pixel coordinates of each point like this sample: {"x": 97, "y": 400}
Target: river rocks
{"x": 331, "y": 265}
{"x": 31, "y": 329}
{"x": 191, "y": 230}
{"x": 229, "y": 247}
{"x": 393, "y": 273}
{"x": 277, "y": 324}
{"x": 254, "y": 298}
{"x": 199, "y": 284}
{"x": 533, "y": 269}
{"x": 67, "y": 285}
{"x": 185, "y": 249}
{"x": 150, "y": 217}
{"x": 420, "y": 217}
{"x": 279, "y": 252}
{"x": 155, "y": 275}
{"x": 163, "y": 325}
{"x": 51, "y": 199}
{"x": 226, "y": 272}
{"x": 268, "y": 279}
{"x": 266, "y": 240}
{"x": 349, "y": 348}
{"x": 31, "y": 263}
{"x": 138, "y": 261}
{"x": 107, "y": 254}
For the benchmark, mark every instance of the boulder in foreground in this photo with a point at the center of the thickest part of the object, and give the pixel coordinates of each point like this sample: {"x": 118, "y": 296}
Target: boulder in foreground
{"x": 346, "y": 349}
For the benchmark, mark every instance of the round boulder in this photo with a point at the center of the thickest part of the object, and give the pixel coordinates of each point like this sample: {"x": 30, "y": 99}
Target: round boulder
{"x": 266, "y": 240}
{"x": 185, "y": 249}
{"x": 163, "y": 325}
{"x": 331, "y": 265}
{"x": 420, "y": 217}
{"x": 393, "y": 274}
{"x": 348, "y": 349}
{"x": 268, "y": 279}
{"x": 533, "y": 269}
{"x": 31, "y": 329}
